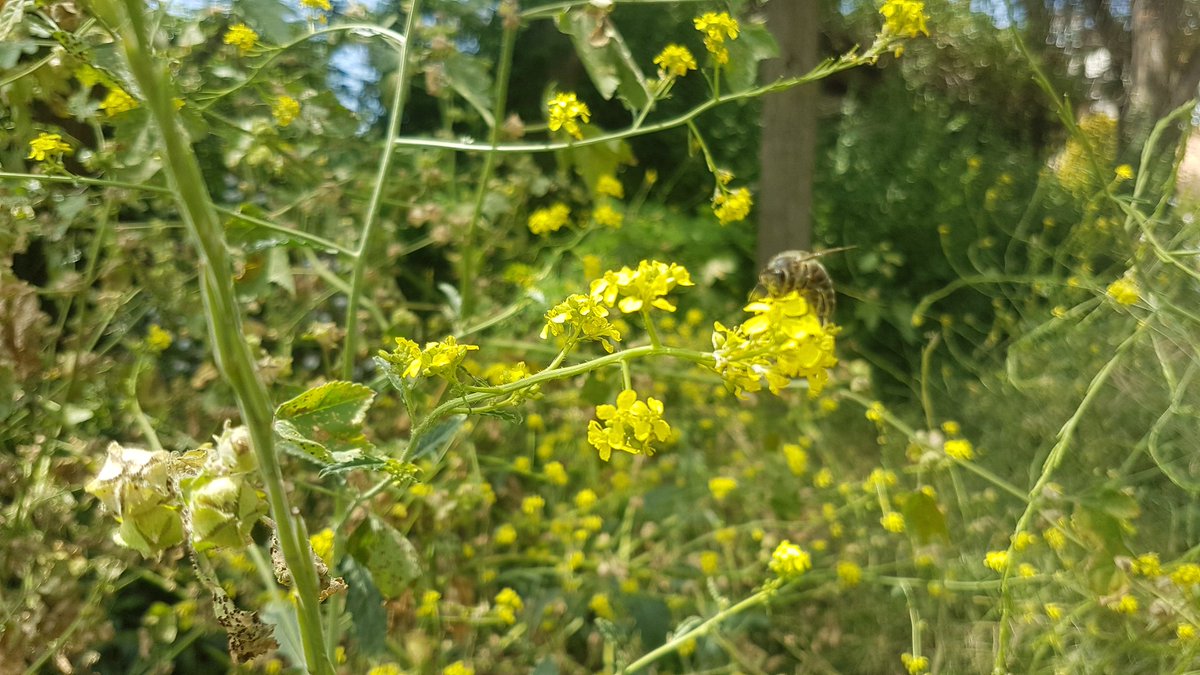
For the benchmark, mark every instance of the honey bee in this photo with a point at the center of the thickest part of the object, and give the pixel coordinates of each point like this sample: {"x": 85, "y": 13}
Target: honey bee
{"x": 801, "y": 272}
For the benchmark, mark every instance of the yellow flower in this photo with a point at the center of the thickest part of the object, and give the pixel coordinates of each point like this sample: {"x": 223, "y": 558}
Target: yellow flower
{"x": 1124, "y": 291}
{"x": 849, "y": 574}
{"x": 1053, "y": 611}
{"x": 717, "y": 27}
{"x": 582, "y": 318}
{"x": 721, "y": 486}
{"x": 458, "y": 668}
{"x": 602, "y": 607}
{"x": 429, "y": 604}
{"x": 564, "y": 110}
{"x": 996, "y": 560}
{"x": 959, "y": 449}
{"x": 1126, "y": 604}
{"x": 322, "y": 545}
{"x": 585, "y": 499}
{"x": 608, "y": 216}
{"x": 508, "y": 603}
{"x": 1023, "y": 540}
{"x": 550, "y": 219}
{"x": 823, "y": 478}
{"x": 157, "y": 339}
{"x": 710, "y": 562}
{"x": 915, "y": 665}
{"x": 285, "y": 110}
{"x": 797, "y": 458}
{"x": 1124, "y": 172}
{"x": 49, "y": 147}
{"x": 533, "y": 505}
{"x": 117, "y": 102}
{"x": 506, "y": 534}
{"x": 951, "y": 427}
{"x": 675, "y": 60}
{"x": 1187, "y": 574}
{"x": 905, "y": 18}
{"x": 630, "y": 426}
{"x": 875, "y": 412}
{"x": 386, "y": 669}
{"x": 731, "y": 207}
{"x": 892, "y": 521}
{"x": 640, "y": 288}
{"x": 790, "y": 561}
{"x": 316, "y": 4}
{"x": 243, "y": 37}
{"x": 437, "y": 358}
{"x": 556, "y": 473}
{"x": 609, "y": 186}
{"x": 1186, "y": 632}
{"x": 1147, "y": 565}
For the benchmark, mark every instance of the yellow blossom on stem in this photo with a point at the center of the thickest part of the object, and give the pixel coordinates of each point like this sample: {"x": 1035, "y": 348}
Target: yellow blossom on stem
{"x": 316, "y": 4}
{"x": 609, "y": 186}
{"x": 1124, "y": 291}
{"x": 1187, "y": 574}
{"x": 549, "y": 219}
{"x": 583, "y": 318}
{"x": 960, "y": 449}
{"x": 797, "y": 458}
{"x": 117, "y": 102}
{"x": 905, "y": 18}
{"x": 565, "y": 112}
{"x": 1124, "y": 172}
{"x": 1126, "y": 604}
{"x": 721, "y": 486}
{"x": 608, "y": 216}
{"x": 1186, "y": 632}
{"x": 506, "y": 534}
{"x": 717, "y": 27}
{"x": 243, "y": 37}
{"x": 285, "y": 110}
{"x": 48, "y": 148}
{"x": 508, "y": 603}
{"x": 789, "y": 561}
{"x": 1147, "y": 565}
{"x": 675, "y": 60}
{"x": 849, "y": 574}
{"x": 915, "y": 665}
{"x": 731, "y": 207}
{"x": 602, "y": 607}
{"x": 585, "y": 499}
{"x": 533, "y": 505}
{"x": 157, "y": 339}
{"x": 996, "y": 560}
{"x": 893, "y": 522}
{"x": 630, "y": 426}
{"x": 710, "y": 562}
{"x": 437, "y": 358}
{"x": 641, "y": 288}
{"x": 458, "y": 668}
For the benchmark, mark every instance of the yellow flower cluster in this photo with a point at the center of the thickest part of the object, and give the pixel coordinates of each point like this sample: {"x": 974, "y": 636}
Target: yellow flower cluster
{"x": 997, "y": 561}
{"x": 316, "y": 4}
{"x": 849, "y": 574}
{"x": 905, "y": 18}
{"x": 458, "y": 668}
{"x": 789, "y": 561}
{"x": 607, "y": 216}
{"x": 721, "y": 486}
{"x": 117, "y": 102}
{"x": 1124, "y": 291}
{"x": 641, "y": 288}
{"x": 508, "y": 603}
{"x": 731, "y": 207}
{"x": 285, "y": 110}
{"x": 157, "y": 339}
{"x": 1124, "y": 172}
{"x": 549, "y": 219}
{"x": 960, "y": 449}
{"x": 243, "y": 37}
{"x": 609, "y": 186}
{"x": 48, "y": 148}
{"x": 784, "y": 340}
{"x": 437, "y": 358}
{"x": 893, "y": 522}
{"x": 429, "y": 604}
{"x": 914, "y": 665}
{"x": 630, "y": 426}
{"x": 674, "y": 61}
{"x": 582, "y": 317}
{"x": 717, "y": 27}
{"x": 566, "y": 111}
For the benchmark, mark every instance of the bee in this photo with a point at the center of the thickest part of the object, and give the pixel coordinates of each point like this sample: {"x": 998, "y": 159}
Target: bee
{"x": 801, "y": 272}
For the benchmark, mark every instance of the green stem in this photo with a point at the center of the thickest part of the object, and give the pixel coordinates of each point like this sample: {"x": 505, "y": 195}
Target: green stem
{"x": 232, "y": 354}
{"x": 367, "y": 238}
{"x": 703, "y": 629}
{"x": 466, "y": 288}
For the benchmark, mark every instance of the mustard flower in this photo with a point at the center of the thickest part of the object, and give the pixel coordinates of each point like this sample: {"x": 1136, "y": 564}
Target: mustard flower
{"x": 1055, "y": 538}
{"x": 1053, "y": 611}
{"x": 710, "y": 562}
{"x": 789, "y": 561}
{"x": 506, "y": 534}
{"x": 996, "y": 560}
{"x": 717, "y": 27}
{"x": 566, "y": 111}
{"x": 915, "y": 665}
{"x": 581, "y": 317}
{"x": 608, "y": 216}
{"x": 437, "y": 358}
{"x": 1026, "y": 571}
{"x": 675, "y": 61}
{"x": 117, "y": 102}
{"x": 316, "y": 4}
{"x": 959, "y": 449}
{"x": 823, "y": 478}
{"x": 609, "y": 186}
{"x": 951, "y": 427}
{"x": 585, "y": 499}
{"x": 905, "y": 18}
{"x": 48, "y": 148}
{"x": 458, "y": 668}
{"x": 631, "y": 426}
{"x": 849, "y": 574}
{"x": 721, "y": 486}
{"x": 1126, "y": 604}
{"x": 602, "y": 607}
{"x": 556, "y": 473}
{"x": 637, "y": 289}
{"x": 1023, "y": 540}
{"x": 157, "y": 339}
{"x": 1187, "y": 574}
{"x": 429, "y": 604}
{"x": 1147, "y": 565}
{"x": 1124, "y": 291}
{"x": 508, "y": 603}
{"x": 285, "y": 110}
{"x": 549, "y": 219}
{"x": 243, "y": 37}
{"x": 1185, "y": 632}
{"x": 893, "y": 522}
{"x": 875, "y": 412}
{"x": 731, "y": 207}
{"x": 1124, "y": 172}
{"x": 797, "y": 458}
{"x": 533, "y": 505}
{"x": 322, "y": 545}
{"x": 784, "y": 340}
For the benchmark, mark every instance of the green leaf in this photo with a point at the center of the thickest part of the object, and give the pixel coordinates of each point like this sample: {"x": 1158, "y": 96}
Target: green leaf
{"x": 924, "y": 518}
{"x": 606, "y": 57}
{"x": 330, "y": 415}
{"x": 754, "y": 44}
{"x": 365, "y": 462}
{"x": 364, "y": 602}
{"x": 469, "y": 77}
{"x": 282, "y": 615}
{"x": 389, "y": 556}
{"x": 295, "y": 443}
{"x": 438, "y": 438}
{"x": 11, "y": 15}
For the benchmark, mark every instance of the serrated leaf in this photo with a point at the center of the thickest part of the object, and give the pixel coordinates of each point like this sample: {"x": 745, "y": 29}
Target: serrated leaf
{"x": 438, "y": 438}
{"x": 606, "y": 57}
{"x": 469, "y": 77}
{"x": 364, "y": 602}
{"x": 390, "y": 557}
{"x": 295, "y": 443}
{"x": 331, "y": 415}
{"x": 366, "y": 463}
{"x": 923, "y": 518}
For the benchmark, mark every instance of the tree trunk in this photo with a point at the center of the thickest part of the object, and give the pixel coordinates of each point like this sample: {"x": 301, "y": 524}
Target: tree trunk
{"x": 789, "y": 135}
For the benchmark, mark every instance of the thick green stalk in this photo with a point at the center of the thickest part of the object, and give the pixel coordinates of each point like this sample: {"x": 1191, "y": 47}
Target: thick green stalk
{"x": 224, "y": 319}
{"x": 466, "y": 283}
{"x": 365, "y": 241}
